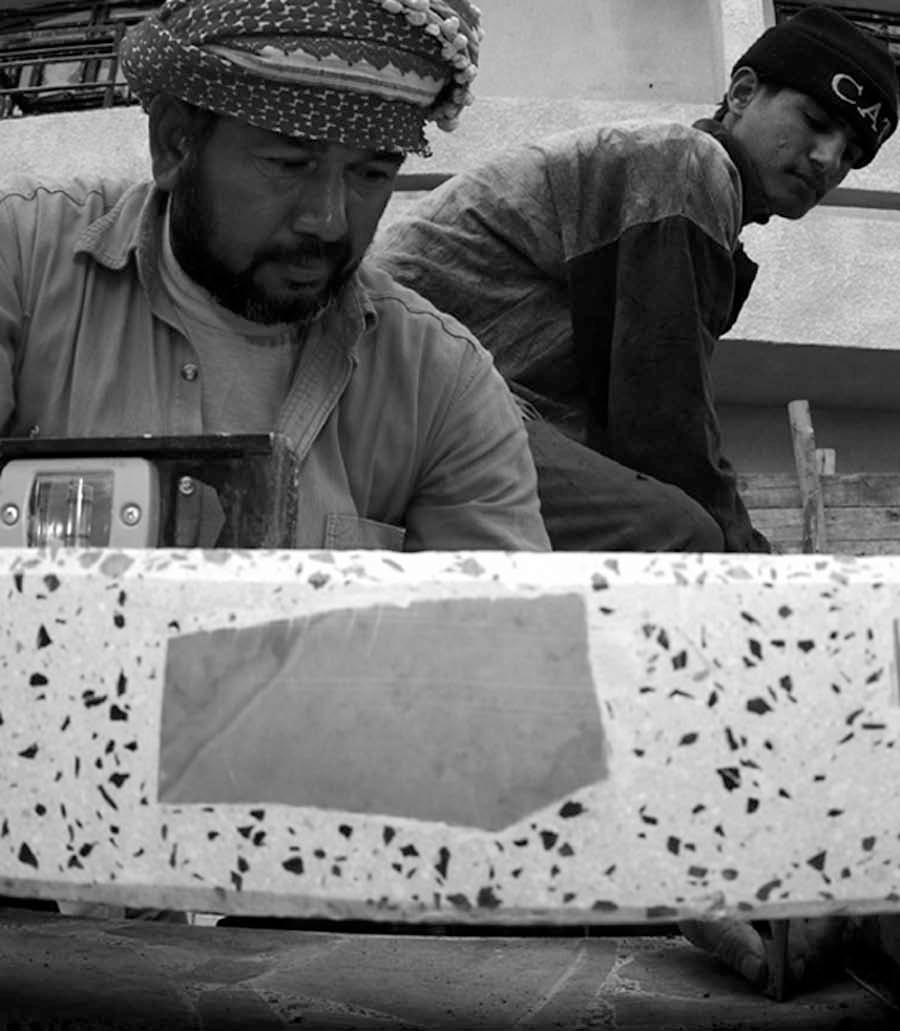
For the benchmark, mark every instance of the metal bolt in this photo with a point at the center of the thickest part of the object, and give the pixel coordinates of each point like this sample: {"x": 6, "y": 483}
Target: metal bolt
{"x": 9, "y": 514}
{"x": 186, "y": 486}
{"x": 130, "y": 514}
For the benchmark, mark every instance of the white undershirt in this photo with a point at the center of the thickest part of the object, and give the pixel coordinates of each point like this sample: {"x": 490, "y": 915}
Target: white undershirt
{"x": 245, "y": 367}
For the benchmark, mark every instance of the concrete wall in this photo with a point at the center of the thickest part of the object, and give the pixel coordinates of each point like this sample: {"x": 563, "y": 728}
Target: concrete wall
{"x": 830, "y": 279}
{"x": 602, "y": 49}
{"x": 757, "y": 437}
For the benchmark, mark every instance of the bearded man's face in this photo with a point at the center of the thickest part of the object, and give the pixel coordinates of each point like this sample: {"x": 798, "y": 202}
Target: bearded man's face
{"x": 273, "y": 226}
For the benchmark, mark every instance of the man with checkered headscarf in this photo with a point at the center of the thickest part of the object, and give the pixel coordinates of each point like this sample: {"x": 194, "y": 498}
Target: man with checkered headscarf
{"x": 231, "y": 294}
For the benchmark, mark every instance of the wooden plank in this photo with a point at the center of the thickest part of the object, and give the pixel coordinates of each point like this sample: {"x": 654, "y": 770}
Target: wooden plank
{"x": 811, "y": 503}
{"x": 864, "y": 524}
{"x": 132, "y": 975}
{"x": 562, "y": 738}
{"x": 866, "y": 548}
{"x": 845, "y": 524}
{"x": 843, "y": 490}
{"x": 826, "y": 461}
{"x": 420, "y": 182}
{"x": 879, "y": 200}
{"x": 792, "y": 544}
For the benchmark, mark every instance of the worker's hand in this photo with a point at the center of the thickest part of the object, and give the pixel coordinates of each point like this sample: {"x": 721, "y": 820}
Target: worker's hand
{"x": 753, "y": 950}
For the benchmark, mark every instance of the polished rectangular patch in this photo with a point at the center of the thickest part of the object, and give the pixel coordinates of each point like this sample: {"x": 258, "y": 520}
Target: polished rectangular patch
{"x": 471, "y": 711}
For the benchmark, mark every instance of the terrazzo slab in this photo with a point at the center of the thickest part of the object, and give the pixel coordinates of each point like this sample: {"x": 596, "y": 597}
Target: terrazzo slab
{"x": 474, "y": 737}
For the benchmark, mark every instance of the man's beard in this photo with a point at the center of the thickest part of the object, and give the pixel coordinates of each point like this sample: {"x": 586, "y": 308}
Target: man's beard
{"x": 191, "y": 218}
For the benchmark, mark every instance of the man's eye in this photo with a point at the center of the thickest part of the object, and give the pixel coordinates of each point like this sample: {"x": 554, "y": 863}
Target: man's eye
{"x": 288, "y": 166}
{"x": 376, "y": 174}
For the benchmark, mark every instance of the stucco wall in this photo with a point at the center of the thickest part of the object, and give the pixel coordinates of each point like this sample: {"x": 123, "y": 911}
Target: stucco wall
{"x": 603, "y": 49}
{"x": 742, "y": 21}
{"x": 757, "y": 437}
{"x": 830, "y": 279}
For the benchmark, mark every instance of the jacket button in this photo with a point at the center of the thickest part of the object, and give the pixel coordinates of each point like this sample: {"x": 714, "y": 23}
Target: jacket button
{"x": 189, "y": 371}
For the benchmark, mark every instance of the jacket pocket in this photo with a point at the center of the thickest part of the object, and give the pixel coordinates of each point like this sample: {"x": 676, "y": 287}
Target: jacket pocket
{"x": 350, "y": 531}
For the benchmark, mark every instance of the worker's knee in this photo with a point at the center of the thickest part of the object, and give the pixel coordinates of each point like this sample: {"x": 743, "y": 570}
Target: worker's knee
{"x": 591, "y": 503}
{"x": 679, "y": 523}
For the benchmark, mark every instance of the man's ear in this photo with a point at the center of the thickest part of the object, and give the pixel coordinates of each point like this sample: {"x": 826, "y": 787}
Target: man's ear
{"x": 744, "y": 86}
{"x": 171, "y": 130}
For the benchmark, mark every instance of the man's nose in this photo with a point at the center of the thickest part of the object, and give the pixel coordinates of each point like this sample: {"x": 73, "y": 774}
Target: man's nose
{"x": 320, "y": 208}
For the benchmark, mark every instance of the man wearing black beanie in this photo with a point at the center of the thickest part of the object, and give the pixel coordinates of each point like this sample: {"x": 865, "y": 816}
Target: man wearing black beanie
{"x": 601, "y": 266}
{"x": 821, "y": 54}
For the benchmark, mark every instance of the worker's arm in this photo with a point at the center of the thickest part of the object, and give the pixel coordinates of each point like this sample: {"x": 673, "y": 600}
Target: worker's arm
{"x": 648, "y": 306}
{"x": 478, "y": 488}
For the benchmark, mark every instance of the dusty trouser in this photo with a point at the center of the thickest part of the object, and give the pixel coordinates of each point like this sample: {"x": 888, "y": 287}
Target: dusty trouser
{"x": 815, "y": 947}
{"x": 591, "y": 503}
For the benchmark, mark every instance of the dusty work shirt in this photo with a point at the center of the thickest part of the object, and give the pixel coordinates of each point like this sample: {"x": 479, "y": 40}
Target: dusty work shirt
{"x": 407, "y": 435}
{"x": 599, "y": 267}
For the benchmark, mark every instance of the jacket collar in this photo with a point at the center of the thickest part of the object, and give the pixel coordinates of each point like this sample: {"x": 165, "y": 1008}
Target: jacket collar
{"x": 755, "y": 207}
{"x": 133, "y": 227}
{"x": 112, "y": 239}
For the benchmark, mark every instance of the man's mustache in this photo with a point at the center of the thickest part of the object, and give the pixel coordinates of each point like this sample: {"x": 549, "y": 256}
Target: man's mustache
{"x": 308, "y": 248}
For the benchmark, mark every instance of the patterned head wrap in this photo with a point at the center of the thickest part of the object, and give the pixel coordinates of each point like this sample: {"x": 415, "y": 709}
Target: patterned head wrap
{"x": 365, "y": 73}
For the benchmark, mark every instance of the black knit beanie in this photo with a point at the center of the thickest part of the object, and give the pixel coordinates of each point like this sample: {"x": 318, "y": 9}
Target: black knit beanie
{"x": 846, "y": 69}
